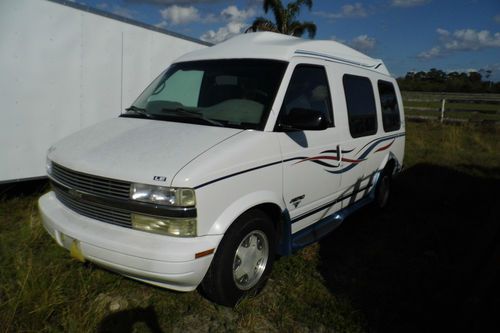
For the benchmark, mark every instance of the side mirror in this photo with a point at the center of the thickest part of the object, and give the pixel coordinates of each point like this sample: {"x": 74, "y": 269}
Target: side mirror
{"x": 303, "y": 120}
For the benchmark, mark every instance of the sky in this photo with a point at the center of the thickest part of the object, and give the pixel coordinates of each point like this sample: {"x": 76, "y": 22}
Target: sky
{"x": 409, "y": 35}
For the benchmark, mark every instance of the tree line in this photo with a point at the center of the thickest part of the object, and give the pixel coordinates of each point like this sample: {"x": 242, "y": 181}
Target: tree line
{"x": 436, "y": 80}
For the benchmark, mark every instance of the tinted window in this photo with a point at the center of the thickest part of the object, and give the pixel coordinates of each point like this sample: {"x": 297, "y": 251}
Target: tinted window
{"x": 360, "y": 105}
{"x": 308, "y": 89}
{"x": 231, "y": 93}
{"x": 389, "y": 106}
{"x": 182, "y": 87}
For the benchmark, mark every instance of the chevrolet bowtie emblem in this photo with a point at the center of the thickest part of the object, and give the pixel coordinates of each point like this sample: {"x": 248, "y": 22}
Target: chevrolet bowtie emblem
{"x": 75, "y": 194}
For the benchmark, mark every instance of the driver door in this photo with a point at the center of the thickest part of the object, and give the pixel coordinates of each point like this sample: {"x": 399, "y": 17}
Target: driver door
{"x": 309, "y": 156}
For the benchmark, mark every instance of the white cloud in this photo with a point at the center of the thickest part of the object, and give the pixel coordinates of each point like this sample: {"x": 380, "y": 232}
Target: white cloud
{"x": 340, "y": 40}
{"x": 462, "y": 70}
{"x": 355, "y": 10}
{"x": 223, "y": 33}
{"x": 179, "y": 15}
{"x": 117, "y": 10}
{"x": 363, "y": 43}
{"x": 468, "y": 39}
{"x": 462, "y": 40}
{"x": 176, "y": 2}
{"x": 232, "y": 13}
{"x": 236, "y": 24}
{"x": 432, "y": 53}
{"x": 210, "y": 18}
{"x": 350, "y": 10}
{"x": 442, "y": 32}
{"x": 408, "y": 3}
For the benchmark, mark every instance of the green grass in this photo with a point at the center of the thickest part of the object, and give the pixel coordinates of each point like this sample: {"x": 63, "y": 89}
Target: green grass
{"x": 42, "y": 289}
{"x": 391, "y": 271}
{"x": 454, "y": 146}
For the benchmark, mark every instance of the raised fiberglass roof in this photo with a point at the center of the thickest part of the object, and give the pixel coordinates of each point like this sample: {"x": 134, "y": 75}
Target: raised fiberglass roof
{"x": 269, "y": 45}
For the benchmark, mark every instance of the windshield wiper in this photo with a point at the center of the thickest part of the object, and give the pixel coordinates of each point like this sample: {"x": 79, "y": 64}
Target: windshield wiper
{"x": 192, "y": 114}
{"x": 138, "y": 111}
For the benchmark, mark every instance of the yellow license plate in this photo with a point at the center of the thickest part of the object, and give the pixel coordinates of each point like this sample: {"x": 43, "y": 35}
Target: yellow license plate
{"x": 76, "y": 252}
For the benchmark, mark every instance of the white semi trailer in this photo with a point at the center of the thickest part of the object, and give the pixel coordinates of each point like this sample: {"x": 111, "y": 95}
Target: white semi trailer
{"x": 65, "y": 66}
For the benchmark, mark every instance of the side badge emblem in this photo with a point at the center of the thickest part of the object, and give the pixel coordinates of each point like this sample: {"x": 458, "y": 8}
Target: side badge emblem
{"x": 160, "y": 178}
{"x": 296, "y": 201}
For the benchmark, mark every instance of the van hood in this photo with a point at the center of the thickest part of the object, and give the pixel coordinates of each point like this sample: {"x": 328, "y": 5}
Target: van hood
{"x": 137, "y": 150}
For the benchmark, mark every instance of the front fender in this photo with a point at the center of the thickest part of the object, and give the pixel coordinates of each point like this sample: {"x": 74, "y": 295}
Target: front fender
{"x": 241, "y": 205}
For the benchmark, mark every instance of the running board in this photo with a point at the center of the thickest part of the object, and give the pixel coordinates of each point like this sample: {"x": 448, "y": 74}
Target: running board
{"x": 320, "y": 229}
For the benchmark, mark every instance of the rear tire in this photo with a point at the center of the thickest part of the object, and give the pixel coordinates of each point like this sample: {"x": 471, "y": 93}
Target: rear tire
{"x": 383, "y": 189}
{"x": 243, "y": 260}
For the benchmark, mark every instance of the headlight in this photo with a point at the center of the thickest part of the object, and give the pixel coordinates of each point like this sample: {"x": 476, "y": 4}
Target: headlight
{"x": 48, "y": 166}
{"x": 160, "y": 195}
{"x": 180, "y": 227}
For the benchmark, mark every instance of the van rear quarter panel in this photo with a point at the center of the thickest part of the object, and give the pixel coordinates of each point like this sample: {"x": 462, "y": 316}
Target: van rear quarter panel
{"x": 368, "y": 148}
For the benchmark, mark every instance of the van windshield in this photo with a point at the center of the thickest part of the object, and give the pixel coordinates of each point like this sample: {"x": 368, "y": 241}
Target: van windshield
{"x": 235, "y": 93}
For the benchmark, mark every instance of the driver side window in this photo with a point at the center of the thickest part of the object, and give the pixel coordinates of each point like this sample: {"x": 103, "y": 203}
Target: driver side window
{"x": 309, "y": 90}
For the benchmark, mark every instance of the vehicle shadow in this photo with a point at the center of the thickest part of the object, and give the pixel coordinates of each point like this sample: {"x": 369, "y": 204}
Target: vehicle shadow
{"x": 429, "y": 262}
{"x": 23, "y": 188}
{"x": 124, "y": 321}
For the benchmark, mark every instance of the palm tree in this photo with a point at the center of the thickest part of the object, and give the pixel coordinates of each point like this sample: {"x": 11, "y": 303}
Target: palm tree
{"x": 286, "y": 22}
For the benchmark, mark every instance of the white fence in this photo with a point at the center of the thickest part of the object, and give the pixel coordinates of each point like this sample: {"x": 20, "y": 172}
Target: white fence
{"x": 447, "y": 108}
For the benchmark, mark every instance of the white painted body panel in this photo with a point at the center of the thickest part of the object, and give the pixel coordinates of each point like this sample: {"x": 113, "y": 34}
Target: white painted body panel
{"x": 268, "y": 45}
{"x": 64, "y": 69}
{"x": 231, "y": 170}
{"x": 157, "y": 259}
{"x": 136, "y": 150}
{"x": 221, "y": 200}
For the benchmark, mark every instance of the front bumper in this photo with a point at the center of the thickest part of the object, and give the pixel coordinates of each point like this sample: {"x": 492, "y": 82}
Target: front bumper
{"x": 156, "y": 259}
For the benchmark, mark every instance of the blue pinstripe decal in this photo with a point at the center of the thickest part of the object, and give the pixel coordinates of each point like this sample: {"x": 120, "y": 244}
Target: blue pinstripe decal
{"x": 373, "y": 143}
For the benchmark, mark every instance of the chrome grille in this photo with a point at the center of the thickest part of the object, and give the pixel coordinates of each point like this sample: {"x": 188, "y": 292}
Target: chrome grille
{"x": 89, "y": 183}
{"x": 95, "y": 211}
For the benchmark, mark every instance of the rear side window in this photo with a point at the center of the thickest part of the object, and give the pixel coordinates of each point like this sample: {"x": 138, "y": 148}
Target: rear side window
{"x": 360, "y": 105}
{"x": 389, "y": 106}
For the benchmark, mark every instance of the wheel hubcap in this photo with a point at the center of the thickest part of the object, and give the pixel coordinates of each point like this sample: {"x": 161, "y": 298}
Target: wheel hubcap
{"x": 250, "y": 260}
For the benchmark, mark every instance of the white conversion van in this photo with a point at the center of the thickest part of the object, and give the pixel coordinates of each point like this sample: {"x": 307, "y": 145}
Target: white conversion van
{"x": 254, "y": 147}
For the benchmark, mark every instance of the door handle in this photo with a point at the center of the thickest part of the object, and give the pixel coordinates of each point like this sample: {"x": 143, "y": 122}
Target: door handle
{"x": 339, "y": 155}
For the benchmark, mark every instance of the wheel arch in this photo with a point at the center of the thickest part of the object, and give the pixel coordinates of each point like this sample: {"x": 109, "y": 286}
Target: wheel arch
{"x": 389, "y": 164}
{"x": 266, "y": 201}
{"x": 219, "y": 283}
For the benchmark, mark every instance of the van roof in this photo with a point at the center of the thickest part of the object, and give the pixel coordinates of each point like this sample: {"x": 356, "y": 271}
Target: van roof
{"x": 269, "y": 45}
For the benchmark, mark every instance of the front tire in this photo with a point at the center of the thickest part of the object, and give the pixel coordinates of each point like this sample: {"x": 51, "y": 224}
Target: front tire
{"x": 243, "y": 260}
